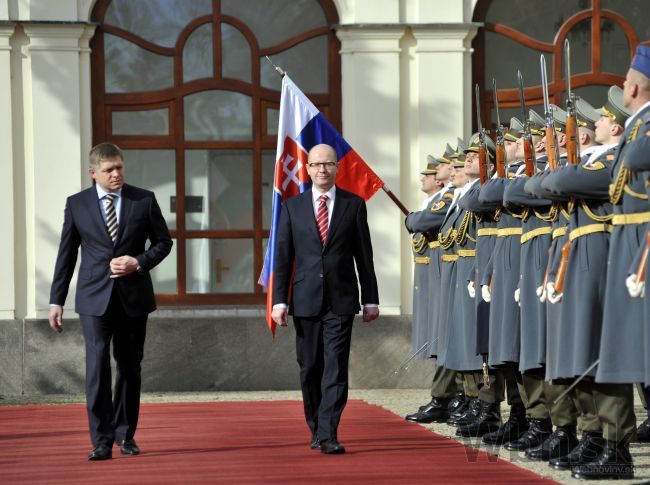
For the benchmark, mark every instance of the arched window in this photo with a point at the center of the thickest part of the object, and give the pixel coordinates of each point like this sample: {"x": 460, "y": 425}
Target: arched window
{"x": 603, "y": 35}
{"x": 184, "y": 88}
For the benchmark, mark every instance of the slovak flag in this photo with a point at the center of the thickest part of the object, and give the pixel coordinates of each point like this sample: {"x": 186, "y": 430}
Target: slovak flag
{"x": 300, "y": 128}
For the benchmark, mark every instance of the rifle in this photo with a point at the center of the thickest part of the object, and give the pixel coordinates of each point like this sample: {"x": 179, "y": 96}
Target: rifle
{"x": 573, "y": 150}
{"x": 482, "y": 151}
{"x": 643, "y": 264}
{"x": 500, "y": 150}
{"x": 561, "y": 270}
{"x": 527, "y": 138}
{"x": 551, "y": 138}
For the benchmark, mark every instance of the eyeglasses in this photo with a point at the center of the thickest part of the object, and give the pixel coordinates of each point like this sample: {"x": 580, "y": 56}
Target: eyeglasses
{"x": 326, "y": 165}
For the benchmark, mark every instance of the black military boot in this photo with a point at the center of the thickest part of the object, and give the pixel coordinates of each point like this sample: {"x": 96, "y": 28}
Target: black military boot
{"x": 488, "y": 420}
{"x": 458, "y": 401}
{"x": 643, "y": 431}
{"x": 538, "y": 431}
{"x": 559, "y": 443}
{"x": 435, "y": 411}
{"x": 590, "y": 446}
{"x": 512, "y": 429}
{"x": 460, "y": 409}
{"x": 615, "y": 462}
{"x": 470, "y": 414}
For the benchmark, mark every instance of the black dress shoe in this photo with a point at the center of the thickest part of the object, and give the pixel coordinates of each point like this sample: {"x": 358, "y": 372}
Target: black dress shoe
{"x": 128, "y": 447}
{"x": 643, "y": 431}
{"x": 467, "y": 417}
{"x": 590, "y": 446}
{"x": 560, "y": 443}
{"x": 101, "y": 452}
{"x": 615, "y": 462}
{"x": 331, "y": 447}
{"x": 512, "y": 430}
{"x": 487, "y": 421}
{"x": 315, "y": 444}
{"x": 538, "y": 431}
{"x": 456, "y": 402}
{"x": 435, "y": 411}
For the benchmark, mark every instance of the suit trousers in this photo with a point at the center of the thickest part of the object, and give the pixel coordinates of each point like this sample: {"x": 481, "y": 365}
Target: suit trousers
{"x": 444, "y": 383}
{"x": 113, "y": 418}
{"x": 323, "y": 351}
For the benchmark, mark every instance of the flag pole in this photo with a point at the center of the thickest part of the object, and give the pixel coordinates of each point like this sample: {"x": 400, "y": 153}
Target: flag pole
{"x": 281, "y": 72}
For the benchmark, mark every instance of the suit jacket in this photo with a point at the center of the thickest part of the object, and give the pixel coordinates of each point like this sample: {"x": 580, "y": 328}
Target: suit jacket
{"x": 329, "y": 268}
{"x": 83, "y": 225}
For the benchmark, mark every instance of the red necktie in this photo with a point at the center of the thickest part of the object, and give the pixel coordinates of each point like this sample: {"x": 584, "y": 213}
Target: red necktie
{"x": 322, "y": 218}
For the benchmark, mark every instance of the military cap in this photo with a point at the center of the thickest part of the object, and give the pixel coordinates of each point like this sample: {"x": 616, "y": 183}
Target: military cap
{"x": 447, "y": 156}
{"x": 432, "y": 163}
{"x": 514, "y": 132}
{"x": 559, "y": 118}
{"x": 586, "y": 114}
{"x": 614, "y": 108}
{"x": 641, "y": 61}
{"x": 474, "y": 142}
{"x": 460, "y": 149}
{"x": 537, "y": 123}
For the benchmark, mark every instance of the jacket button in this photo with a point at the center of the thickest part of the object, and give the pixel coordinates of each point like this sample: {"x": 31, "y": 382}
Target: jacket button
{"x": 321, "y": 275}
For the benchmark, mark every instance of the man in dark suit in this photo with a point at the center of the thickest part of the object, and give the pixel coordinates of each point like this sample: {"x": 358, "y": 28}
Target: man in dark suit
{"x": 111, "y": 222}
{"x": 325, "y": 232}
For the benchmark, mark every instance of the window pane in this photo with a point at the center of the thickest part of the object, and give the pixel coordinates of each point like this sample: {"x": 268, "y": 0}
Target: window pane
{"x": 272, "y": 120}
{"x": 158, "y": 21}
{"x": 164, "y": 275}
{"x": 236, "y": 54}
{"x": 268, "y": 169}
{"x": 580, "y": 41}
{"x": 221, "y": 183}
{"x": 289, "y": 18}
{"x": 539, "y": 20}
{"x": 305, "y": 62}
{"x": 219, "y": 266}
{"x": 149, "y": 122}
{"x": 154, "y": 170}
{"x": 197, "y": 54}
{"x": 614, "y": 48}
{"x": 130, "y": 68}
{"x": 637, "y": 12}
{"x": 218, "y": 115}
{"x": 504, "y": 68}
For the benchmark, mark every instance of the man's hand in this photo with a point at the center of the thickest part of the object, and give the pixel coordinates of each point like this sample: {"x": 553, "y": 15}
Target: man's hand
{"x": 471, "y": 289}
{"x": 55, "y": 318}
{"x": 279, "y": 316}
{"x": 485, "y": 293}
{"x": 635, "y": 288}
{"x": 123, "y": 266}
{"x": 370, "y": 314}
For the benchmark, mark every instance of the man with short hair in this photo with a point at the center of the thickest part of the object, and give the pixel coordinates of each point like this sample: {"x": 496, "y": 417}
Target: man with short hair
{"x": 112, "y": 222}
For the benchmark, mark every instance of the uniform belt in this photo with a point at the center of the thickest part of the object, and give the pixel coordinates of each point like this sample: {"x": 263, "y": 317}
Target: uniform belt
{"x": 509, "y": 231}
{"x": 421, "y": 260}
{"x": 466, "y": 253}
{"x": 623, "y": 219}
{"x": 540, "y": 231}
{"x": 487, "y": 231}
{"x": 559, "y": 232}
{"x": 589, "y": 229}
{"x": 434, "y": 244}
{"x": 449, "y": 258}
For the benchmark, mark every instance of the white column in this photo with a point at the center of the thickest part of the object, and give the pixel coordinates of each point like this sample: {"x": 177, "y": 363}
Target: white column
{"x": 370, "y": 59}
{"x": 7, "y": 249}
{"x": 54, "y": 93}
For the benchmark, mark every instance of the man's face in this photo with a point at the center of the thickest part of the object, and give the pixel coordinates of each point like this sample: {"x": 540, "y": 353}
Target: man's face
{"x": 444, "y": 172}
{"x": 603, "y": 126}
{"x": 519, "y": 151}
{"x": 428, "y": 183}
{"x": 511, "y": 150}
{"x": 322, "y": 166}
{"x": 628, "y": 88}
{"x": 110, "y": 174}
{"x": 472, "y": 169}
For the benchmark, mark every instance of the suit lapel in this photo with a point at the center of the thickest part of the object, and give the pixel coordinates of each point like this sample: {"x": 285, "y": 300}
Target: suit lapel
{"x": 94, "y": 208}
{"x": 307, "y": 214}
{"x": 341, "y": 204}
{"x": 125, "y": 212}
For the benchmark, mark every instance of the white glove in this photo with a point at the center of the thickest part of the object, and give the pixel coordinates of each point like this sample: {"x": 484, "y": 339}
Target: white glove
{"x": 471, "y": 289}
{"x": 541, "y": 292}
{"x": 485, "y": 293}
{"x": 517, "y": 296}
{"x": 553, "y": 296}
{"x": 634, "y": 288}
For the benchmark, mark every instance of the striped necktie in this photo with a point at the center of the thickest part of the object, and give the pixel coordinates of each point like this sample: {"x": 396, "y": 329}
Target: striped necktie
{"x": 322, "y": 218}
{"x": 111, "y": 216}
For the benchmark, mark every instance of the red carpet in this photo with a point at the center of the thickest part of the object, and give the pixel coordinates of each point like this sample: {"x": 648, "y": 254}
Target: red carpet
{"x": 239, "y": 442}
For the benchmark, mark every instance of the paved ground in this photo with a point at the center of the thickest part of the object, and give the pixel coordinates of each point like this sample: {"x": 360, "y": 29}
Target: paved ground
{"x": 399, "y": 401}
